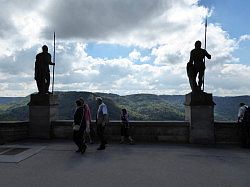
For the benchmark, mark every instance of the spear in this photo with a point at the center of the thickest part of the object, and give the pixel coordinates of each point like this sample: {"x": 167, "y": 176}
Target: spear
{"x": 54, "y": 60}
{"x": 205, "y": 49}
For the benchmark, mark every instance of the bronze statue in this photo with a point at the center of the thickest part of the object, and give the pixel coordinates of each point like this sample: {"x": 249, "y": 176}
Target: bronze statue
{"x": 196, "y": 65}
{"x": 42, "y": 72}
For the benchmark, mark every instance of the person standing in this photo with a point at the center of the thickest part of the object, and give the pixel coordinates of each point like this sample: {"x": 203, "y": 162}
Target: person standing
{"x": 125, "y": 127}
{"x": 79, "y": 127}
{"x": 87, "y": 117}
{"x": 101, "y": 122}
{"x": 42, "y": 72}
{"x": 197, "y": 66}
{"x": 243, "y": 124}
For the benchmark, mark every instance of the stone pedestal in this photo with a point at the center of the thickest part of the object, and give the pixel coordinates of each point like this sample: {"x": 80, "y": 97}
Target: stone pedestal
{"x": 199, "y": 112}
{"x": 42, "y": 110}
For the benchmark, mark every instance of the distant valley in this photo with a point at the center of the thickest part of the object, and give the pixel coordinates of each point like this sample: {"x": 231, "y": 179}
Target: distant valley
{"x": 140, "y": 106}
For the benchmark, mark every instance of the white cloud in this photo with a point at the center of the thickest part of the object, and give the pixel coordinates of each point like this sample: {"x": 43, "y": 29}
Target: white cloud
{"x": 134, "y": 55}
{"x": 167, "y": 28}
{"x": 244, "y": 38}
{"x": 228, "y": 79}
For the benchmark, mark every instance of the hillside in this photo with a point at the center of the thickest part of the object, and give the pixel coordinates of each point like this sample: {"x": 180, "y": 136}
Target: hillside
{"x": 140, "y": 106}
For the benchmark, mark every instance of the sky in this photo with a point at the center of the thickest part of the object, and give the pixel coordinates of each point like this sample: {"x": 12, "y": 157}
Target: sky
{"x": 125, "y": 46}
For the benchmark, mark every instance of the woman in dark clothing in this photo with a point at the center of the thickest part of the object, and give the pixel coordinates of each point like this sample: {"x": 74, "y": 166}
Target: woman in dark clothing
{"x": 125, "y": 127}
{"x": 78, "y": 135}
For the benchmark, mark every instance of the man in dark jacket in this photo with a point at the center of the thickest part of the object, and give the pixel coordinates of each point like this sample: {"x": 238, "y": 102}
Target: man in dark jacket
{"x": 78, "y": 134}
{"x": 42, "y": 73}
{"x": 196, "y": 64}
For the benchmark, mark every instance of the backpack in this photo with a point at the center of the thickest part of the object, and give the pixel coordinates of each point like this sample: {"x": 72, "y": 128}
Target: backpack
{"x": 246, "y": 117}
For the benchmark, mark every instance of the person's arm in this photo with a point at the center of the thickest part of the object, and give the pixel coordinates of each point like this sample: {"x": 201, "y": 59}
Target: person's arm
{"x": 51, "y": 63}
{"x": 191, "y": 59}
{"x": 36, "y": 71}
{"x": 77, "y": 117}
{"x": 240, "y": 114}
{"x": 36, "y": 67}
{"x": 207, "y": 54}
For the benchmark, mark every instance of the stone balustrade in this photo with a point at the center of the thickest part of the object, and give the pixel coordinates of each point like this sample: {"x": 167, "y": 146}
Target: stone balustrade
{"x": 13, "y": 130}
{"x": 142, "y": 131}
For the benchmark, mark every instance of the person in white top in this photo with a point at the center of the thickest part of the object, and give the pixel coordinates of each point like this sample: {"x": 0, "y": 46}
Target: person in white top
{"x": 101, "y": 121}
{"x": 241, "y": 112}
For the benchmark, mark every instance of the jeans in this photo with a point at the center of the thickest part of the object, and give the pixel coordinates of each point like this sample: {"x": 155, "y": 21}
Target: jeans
{"x": 100, "y": 133}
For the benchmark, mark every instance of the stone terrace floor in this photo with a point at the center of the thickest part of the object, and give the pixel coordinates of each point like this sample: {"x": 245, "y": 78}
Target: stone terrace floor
{"x": 56, "y": 164}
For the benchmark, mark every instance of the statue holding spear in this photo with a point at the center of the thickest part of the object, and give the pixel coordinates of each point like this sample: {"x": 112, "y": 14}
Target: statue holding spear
{"x": 196, "y": 65}
{"x": 42, "y": 72}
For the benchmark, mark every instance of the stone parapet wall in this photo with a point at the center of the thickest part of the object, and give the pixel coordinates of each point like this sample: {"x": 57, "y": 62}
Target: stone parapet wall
{"x": 146, "y": 131}
{"x": 14, "y": 130}
{"x": 226, "y": 132}
{"x": 155, "y": 131}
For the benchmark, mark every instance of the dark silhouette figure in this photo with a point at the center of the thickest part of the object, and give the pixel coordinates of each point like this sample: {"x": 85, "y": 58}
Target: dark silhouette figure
{"x": 42, "y": 73}
{"x": 196, "y": 65}
{"x": 244, "y": 125}
{"x": 78, "y": 135}
{"x": 125, "y": 127}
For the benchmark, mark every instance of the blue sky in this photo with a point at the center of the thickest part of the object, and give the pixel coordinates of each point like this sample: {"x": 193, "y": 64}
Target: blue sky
{"x": 124, "y": 47}
{"x": 233, "y": 17}
{"x": 231, "y": 14}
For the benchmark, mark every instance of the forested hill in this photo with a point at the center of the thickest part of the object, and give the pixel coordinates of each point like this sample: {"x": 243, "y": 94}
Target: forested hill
{"x": 139, "y": 106}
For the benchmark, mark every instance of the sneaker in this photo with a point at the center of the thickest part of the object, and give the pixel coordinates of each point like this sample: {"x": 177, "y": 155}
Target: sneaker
{"x": 83, "y": 149}
{"x": 131, "y": 142}
{"x": 122, "y": 142}
{"x": 78, "y": 150}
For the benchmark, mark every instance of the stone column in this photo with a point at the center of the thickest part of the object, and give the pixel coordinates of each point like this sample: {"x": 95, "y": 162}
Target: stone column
{"x": 199, "y": 112}
{"x": 42, "y": 110}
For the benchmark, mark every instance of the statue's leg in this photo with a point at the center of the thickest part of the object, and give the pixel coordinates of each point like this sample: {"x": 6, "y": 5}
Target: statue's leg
{"x": 39, "y": 85}
{"x": 191, "y": 76}
{"x": 201, "y": 76}
{"x": 43, "y": 85}
{"x": 194, "y": 83}
{"x": 47, "y": 82}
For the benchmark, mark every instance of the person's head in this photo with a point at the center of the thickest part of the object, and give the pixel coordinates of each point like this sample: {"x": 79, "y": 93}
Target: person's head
{"x": 82, "y": 100}
{"x": 78, "y": 103}
{"x": 242, "y": 104}
{"x": 45, "y": 48}
{"x": 99, "y": 100}
{"x": 197, "y": 44}
{"x": 124, "y": 111}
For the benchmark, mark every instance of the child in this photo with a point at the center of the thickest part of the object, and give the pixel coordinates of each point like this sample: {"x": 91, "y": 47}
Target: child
{"x": 125, "y": 127}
